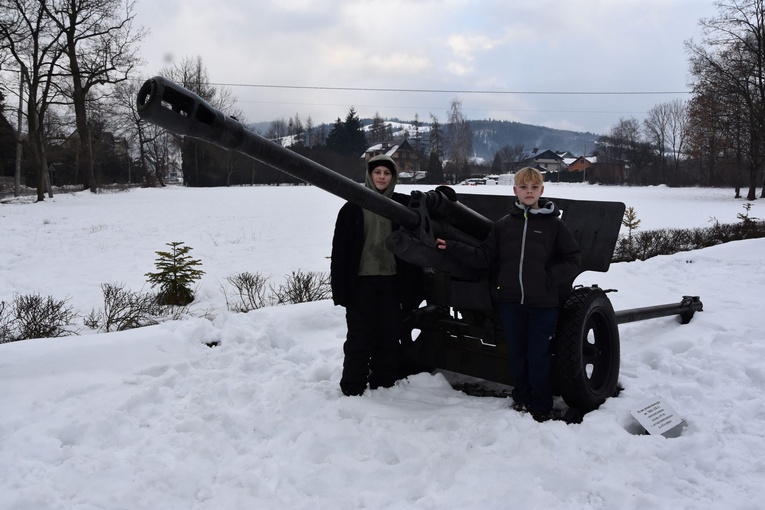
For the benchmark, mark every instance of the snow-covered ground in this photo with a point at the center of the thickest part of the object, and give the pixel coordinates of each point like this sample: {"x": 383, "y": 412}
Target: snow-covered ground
{"x": 153, "y": 418}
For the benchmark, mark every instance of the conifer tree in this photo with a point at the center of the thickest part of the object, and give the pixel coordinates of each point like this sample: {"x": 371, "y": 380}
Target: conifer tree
{"x": 176, "y": 272}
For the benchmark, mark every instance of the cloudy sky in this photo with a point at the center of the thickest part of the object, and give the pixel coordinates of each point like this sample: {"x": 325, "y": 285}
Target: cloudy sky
{"x": 502, "y": 59}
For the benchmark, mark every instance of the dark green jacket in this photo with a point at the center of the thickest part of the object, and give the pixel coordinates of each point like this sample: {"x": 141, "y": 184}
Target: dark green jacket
{"x": 347, "y": 242}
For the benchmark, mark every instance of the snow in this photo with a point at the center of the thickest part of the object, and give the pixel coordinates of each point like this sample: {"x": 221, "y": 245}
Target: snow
{"x": 153, "y": 418}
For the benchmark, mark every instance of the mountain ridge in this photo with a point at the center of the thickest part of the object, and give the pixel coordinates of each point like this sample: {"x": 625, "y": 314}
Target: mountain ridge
{"x": 489, "y": 136}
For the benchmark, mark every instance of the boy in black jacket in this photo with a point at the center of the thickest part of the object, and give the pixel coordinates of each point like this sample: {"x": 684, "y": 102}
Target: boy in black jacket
{"x": 375, "y": 287}
{"x": 532, "y": 252}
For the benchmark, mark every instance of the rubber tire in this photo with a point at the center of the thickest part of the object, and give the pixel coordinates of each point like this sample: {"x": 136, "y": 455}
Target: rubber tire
{"x": 586, "y": 350}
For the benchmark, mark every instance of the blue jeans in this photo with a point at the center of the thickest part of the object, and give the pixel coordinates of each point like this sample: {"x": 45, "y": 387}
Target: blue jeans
{"x": 529, "y": 331}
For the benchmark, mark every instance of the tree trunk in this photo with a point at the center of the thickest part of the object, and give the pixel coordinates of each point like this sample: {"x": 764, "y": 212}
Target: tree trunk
{"x": 36, "y": 148}
{"x": 737, "y": 175}
{"x": 48, "y": 187}
{"x": 84, "y": 149}
{"x": 752, "y": 193}
{"x": 712, "y": 164}
{"x": 754, "y": 166}
{"x": 39, "y": 162}
{"x": 158, "y": 176}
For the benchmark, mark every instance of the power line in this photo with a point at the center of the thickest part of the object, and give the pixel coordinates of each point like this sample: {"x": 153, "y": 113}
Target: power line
{"x": 452, "y": 91}
{"x": 401, "y": 107}
{"x": 456, "y": 91}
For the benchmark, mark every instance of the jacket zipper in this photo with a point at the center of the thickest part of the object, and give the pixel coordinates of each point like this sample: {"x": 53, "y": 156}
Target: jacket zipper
{"x": 523, "y": 255}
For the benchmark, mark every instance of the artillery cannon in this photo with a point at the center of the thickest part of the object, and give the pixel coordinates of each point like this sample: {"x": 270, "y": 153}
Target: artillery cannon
{"x": 459, "y": 328}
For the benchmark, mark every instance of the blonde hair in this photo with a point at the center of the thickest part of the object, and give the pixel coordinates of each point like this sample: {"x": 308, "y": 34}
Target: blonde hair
{"x": 529, "y": 175}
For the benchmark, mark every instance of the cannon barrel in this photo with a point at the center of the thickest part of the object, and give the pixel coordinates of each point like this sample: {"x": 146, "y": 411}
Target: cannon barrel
{"x": 176, "y": 109}
{"x": 685, "y": 309}
{"x": 429, "y": 214}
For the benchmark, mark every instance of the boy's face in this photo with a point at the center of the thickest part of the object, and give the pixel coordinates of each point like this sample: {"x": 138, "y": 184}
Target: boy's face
{"x": 381, "y": 176}
{"x": 528, "y": 193}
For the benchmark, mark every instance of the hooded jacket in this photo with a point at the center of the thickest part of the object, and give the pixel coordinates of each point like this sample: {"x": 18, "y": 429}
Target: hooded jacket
{"x": 348, "y": 244}
{"x": 531, "y": 252}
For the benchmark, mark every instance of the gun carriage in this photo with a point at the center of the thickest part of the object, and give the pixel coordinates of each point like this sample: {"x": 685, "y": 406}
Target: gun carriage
{"x": 458, "y": 324}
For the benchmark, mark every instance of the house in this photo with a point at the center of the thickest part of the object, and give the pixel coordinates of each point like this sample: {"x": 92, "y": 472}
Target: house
{"x": 402, "y": 153}
{"x": 612, "y": 172}
{"x": 548, "y": 161}
{"x": 581, "y": 164}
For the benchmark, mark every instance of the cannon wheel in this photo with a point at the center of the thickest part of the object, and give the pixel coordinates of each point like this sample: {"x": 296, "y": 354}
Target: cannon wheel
{"x": 586, "y": 349}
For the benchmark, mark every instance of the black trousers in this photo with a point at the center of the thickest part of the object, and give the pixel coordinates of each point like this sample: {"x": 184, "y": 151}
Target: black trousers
{"x": 529, "y": 331}
{"x": 372, "y": 344}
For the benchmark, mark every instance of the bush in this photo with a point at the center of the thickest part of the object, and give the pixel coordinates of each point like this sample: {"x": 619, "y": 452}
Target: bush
{"x": 176, "y": 272}
{"x": 650, "y": 243}
{"x": 5, "y": 323}
{"x": 33, "y": 316}
{"x": 304, "y": 287}
{"x": 124, "y": 309}
{"x": 250, "y": 292}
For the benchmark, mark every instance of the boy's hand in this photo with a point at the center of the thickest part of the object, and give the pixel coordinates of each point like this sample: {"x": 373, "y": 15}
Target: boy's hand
{"x": 440, "y": 244}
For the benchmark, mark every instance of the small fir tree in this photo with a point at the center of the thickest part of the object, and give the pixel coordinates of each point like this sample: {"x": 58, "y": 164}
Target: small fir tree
{"x": 747, "y": 222}
{"x": 630, "y": 221}
{"x": 176, "y": 271}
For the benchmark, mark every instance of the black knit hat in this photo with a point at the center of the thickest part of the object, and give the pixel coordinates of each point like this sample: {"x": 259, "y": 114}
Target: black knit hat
{"x": 382, "y": 160}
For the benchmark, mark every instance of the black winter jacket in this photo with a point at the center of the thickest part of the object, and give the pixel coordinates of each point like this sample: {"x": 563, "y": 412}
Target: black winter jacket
{"x": 531, "y": 254}
{"x": 347, "y": 243}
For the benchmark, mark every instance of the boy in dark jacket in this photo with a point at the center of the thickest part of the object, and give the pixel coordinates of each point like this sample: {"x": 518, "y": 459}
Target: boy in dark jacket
{"x": 532, "y": 253}
{"x": 371, "y": 283}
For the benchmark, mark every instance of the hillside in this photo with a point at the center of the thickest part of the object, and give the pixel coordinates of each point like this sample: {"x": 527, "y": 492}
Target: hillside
{"x": 491, "y": 135}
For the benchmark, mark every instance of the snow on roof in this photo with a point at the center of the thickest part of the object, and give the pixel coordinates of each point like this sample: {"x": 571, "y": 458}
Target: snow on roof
{"x": 380, "y": 146}
{"x": 419, "y": 175}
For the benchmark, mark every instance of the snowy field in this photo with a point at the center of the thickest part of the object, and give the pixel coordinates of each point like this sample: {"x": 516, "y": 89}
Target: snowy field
{"x": 153, "y": 418}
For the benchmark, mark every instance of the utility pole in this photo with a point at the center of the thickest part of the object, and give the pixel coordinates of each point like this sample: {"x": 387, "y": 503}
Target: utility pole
{"x": 19, "y": 147}
{"x": 584, "y": 167}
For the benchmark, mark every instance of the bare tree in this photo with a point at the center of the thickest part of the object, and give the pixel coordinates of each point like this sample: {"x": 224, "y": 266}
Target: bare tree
{"x": 512, "y": 156}
{"x": 309, "y": 141}
{"x": 460, "y": 138}
{"x": 706, "y": 137}
{"x": 624, "y": 147}
{"x": 157, "y": 154}
{"x": 152, "y": 142}
{"x": 201, "y": 161}
{"x": 100, "y": 43}
{"x": 656, "y": 127}
{"x": 666, "y": 129}
{"x": 677, "y": 130}
{"x": 277, "y": 129}
{"x": 416, "y": 136}
{"x": 191, "y": 73}
{"x": 377, "y": 132}
{"x": 732, "y": 56}
{"x": 297, "y": 132}
{"x": 125, "y": 120}
{"x": 28, "y": 39}
{"x": 436, "y": 136}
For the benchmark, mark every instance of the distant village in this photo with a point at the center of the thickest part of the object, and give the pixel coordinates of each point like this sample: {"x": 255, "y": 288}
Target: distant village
{"x": 546, "y": 161}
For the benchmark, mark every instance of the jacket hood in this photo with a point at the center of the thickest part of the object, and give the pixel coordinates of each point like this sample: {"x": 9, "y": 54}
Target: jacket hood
{"x": 386, "y": 161}
{"x": 545, "y": 207}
